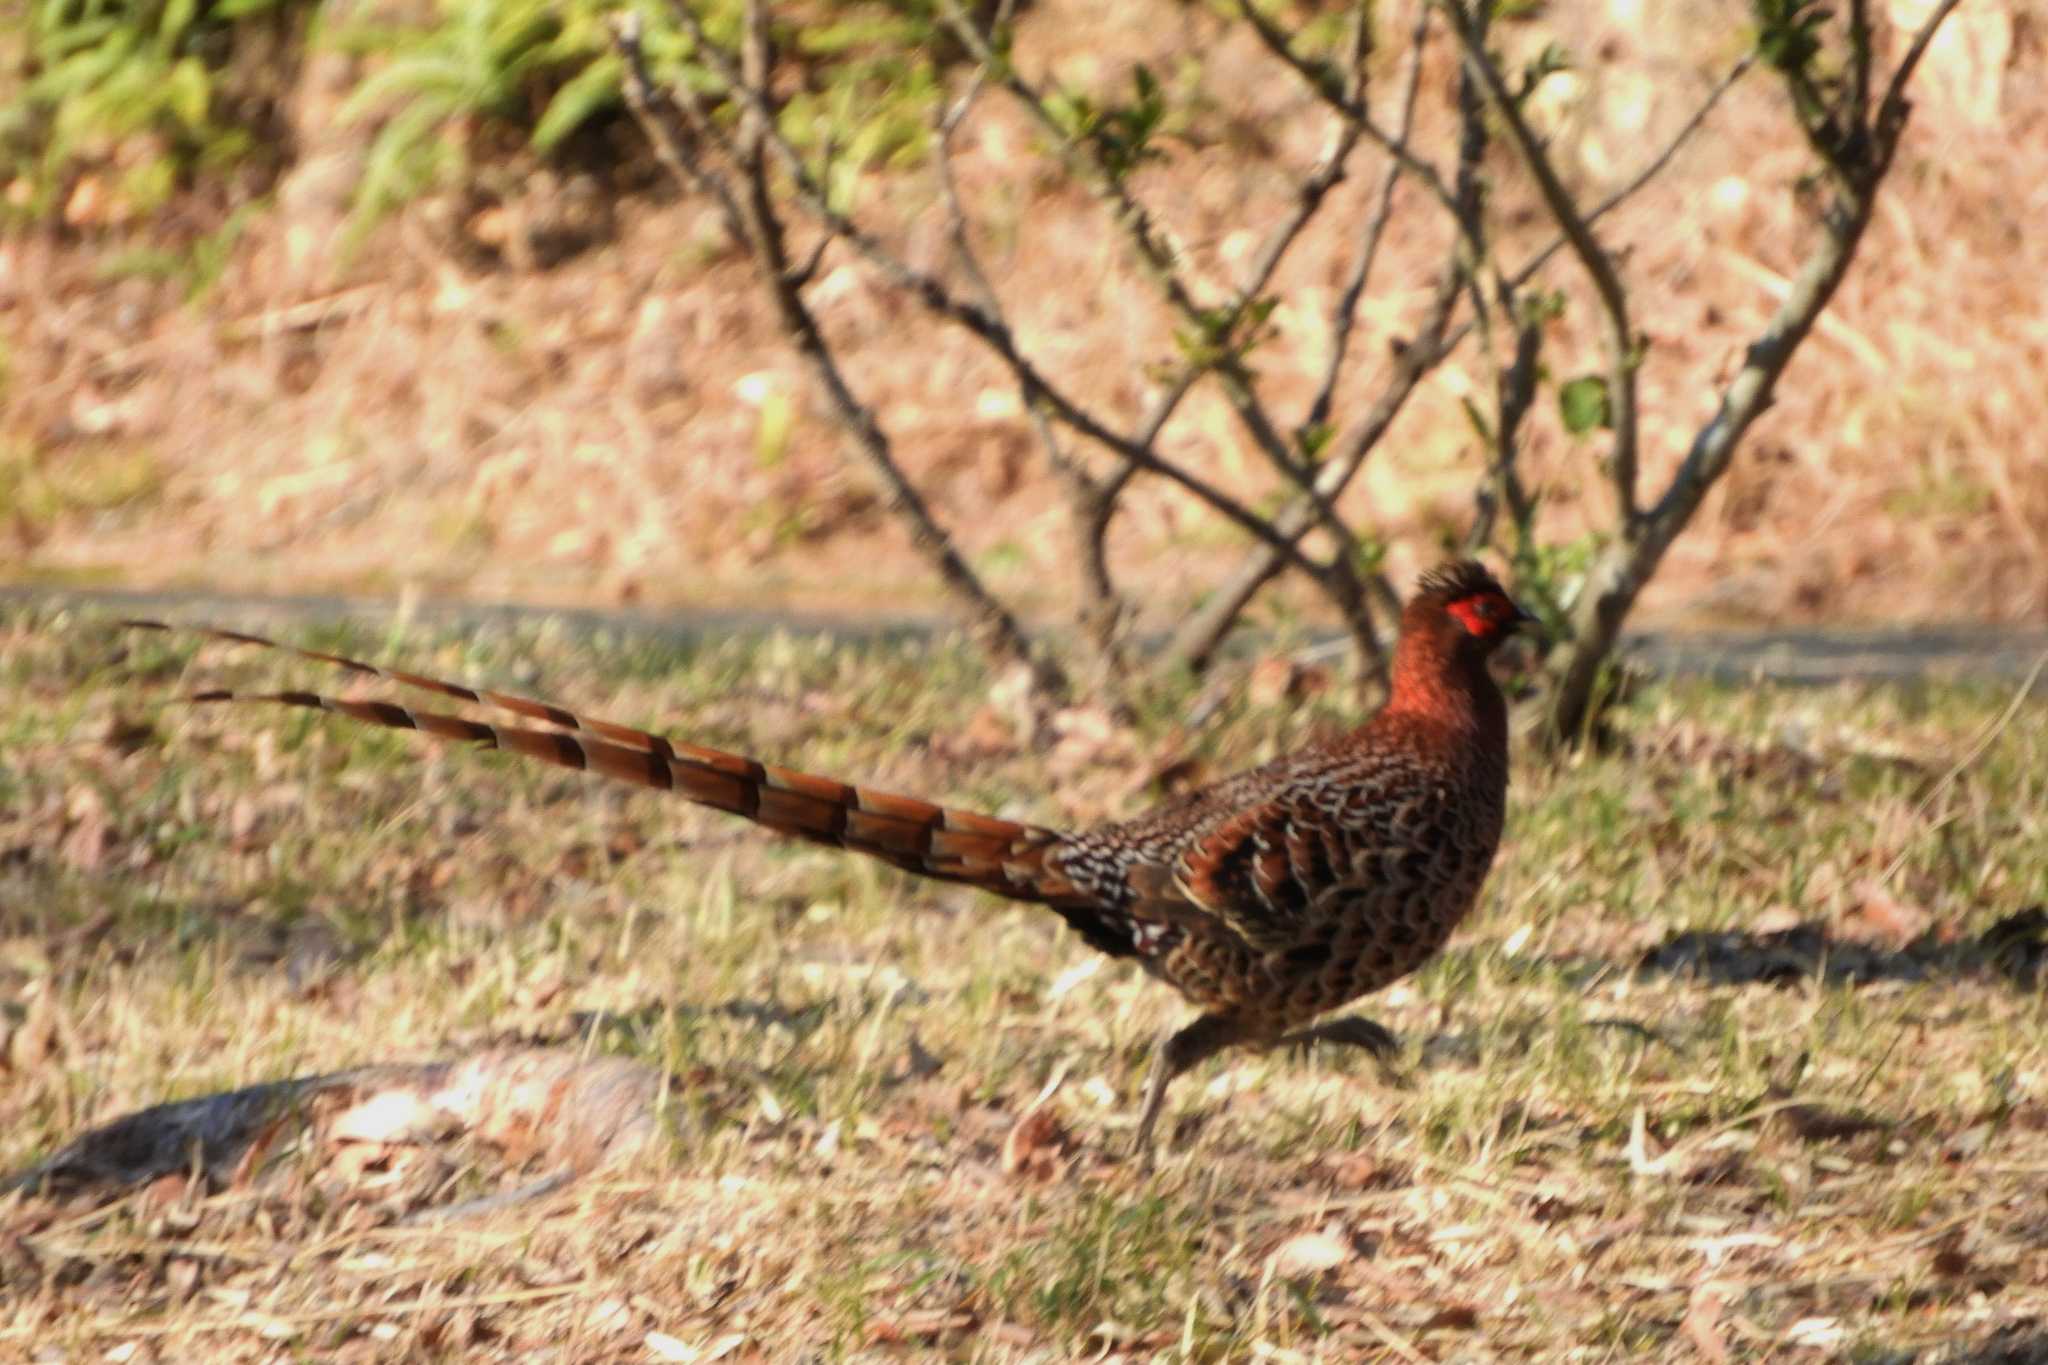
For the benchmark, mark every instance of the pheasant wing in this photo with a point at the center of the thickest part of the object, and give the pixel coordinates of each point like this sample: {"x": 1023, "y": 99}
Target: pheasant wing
{"x": 1279, "y": 872}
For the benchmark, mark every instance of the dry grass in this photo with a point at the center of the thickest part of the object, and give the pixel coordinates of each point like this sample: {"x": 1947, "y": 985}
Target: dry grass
{"x": 594, "y": 432}
{"x": 1743, "y": 1057}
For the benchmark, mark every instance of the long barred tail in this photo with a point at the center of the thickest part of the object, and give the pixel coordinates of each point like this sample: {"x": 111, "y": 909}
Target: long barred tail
{"x": 1001, "y": 856}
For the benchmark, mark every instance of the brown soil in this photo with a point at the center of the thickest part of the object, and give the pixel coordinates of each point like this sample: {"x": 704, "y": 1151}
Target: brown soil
{"x": 558, "y": 393}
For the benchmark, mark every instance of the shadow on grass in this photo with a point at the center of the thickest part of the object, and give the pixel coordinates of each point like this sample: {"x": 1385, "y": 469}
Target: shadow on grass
{"x": 2010, "y": 1348}
{"x": 2015, "y": 949}
{"x": 2018, "y": 1343}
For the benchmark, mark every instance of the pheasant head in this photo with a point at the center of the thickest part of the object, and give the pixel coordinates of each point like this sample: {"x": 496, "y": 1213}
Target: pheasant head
{"x": 1458, "y": 616}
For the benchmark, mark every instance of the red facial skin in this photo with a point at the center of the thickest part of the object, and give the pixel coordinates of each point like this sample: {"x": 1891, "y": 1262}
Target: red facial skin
{"x": 1485, "y": 615}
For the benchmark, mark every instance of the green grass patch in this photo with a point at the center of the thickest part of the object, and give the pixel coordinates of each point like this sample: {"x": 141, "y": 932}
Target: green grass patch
{"x": 1752, "y": 1003}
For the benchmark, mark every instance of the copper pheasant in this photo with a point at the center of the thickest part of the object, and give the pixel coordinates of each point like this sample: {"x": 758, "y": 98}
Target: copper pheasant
{"x": 1266, "y": 899}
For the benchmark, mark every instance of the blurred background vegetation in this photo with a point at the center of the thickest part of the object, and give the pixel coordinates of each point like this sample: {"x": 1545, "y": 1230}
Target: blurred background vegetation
{"x": 391, "y": 294}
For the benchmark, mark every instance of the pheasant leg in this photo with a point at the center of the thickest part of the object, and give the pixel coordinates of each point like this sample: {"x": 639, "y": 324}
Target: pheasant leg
{"x": 1353, "y": 1030}
{"x": 1186, "y": 1047}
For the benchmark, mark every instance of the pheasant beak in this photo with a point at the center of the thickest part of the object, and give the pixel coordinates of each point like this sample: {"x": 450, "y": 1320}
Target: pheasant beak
{"x": 1525, "y": 620}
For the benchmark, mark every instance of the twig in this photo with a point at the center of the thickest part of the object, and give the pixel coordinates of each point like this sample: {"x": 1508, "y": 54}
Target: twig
{"x": 1859, "y": 63}
{"x": 1618, "y": 575}
{"x": 1515, "y": 395}
{"x": 1347, "y": 104}
{"x": 928, "y": 290}
{"x": 1200, "y": 635}
{"x": 1345, "y": 319}
{"x": 1103, "y": 610}
{"x": 757, "y": 226}
{"x": 1157, "y": 257}
{"x": 1651, "y": 169}
{"x": 674, "y": 145}
{"x": 1621, "y": 342}
{"x": 1891, "y": 113}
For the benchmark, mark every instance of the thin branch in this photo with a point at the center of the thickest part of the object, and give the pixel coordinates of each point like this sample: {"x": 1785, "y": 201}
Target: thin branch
{"x": 1157, "y": 257}
{"x": 1345, "y": 319}
{"x": 1154, "y": 253}
{"x": 1651, "y": 169}
{"x": 1343, "y": 584}
{"x": 1621, "y": 343}
{"x": 1339, "y": 97}
{"x": 1891, "y": 113}
{"x": 1529, "y": 268}
{"x": 1103, "y": 608}
{"x": 1515, "y": 394}
{"x": 1618, "y": 575}
{"x": 936, "y": 298}
{"x": 674, "y": 144}
{"x": 1860, "y": 55}
{"x": 759, "y": 228}
{"x": 1328, "y": 171}
{"x": 1205, "y": 630}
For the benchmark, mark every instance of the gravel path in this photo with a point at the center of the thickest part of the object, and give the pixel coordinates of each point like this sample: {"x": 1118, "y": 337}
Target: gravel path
{"x": 1997, "y": 654}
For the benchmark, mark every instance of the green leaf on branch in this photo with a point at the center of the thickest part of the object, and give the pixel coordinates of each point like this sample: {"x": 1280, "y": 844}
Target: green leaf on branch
{"x": 1480, "y": 426}
{"x": 1313, "y": 440}
{"x": 1584, "y": 404}
{"x": 1543, "y": 305}
{"x": 1788, "y": 32}
{"x": 1552, "y": 60}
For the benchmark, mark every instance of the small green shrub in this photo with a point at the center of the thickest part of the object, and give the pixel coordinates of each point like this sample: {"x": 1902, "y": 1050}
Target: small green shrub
{"x": 498, "y": 71}
{"x": 145, "y": 88}
{"x": 158, "y": 94}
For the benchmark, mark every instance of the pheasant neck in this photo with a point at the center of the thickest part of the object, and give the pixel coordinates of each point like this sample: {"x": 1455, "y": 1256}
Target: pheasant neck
{"x": 1439, "y": 676}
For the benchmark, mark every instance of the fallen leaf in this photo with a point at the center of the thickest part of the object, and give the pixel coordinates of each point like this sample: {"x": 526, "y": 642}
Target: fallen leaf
{"x": 542, "y": 985}
{"x": 1817, "y": 1123}
{"x": 181, "y": 1277}
{"x": 166, "y": 1191}
{"x": 87, "y": 204}
{"x": 1877, "y": 917}
{"x": 124, "y": 735}
{"x": 1308, "y": 1253}
{"x": 1271, "y": 681}
{"x": 1970, "y": 1143}
{"x": 1037, "y": 1142}
{"x": 918, "y": 1062}
{"x": 1639, "y": 1159}
{"x": 1362, "y": 1171}
{"x": 1175, "y": 773}
{"x": 35, "y": 1041}
{"x": 1778, "y": 919}
{"x": 1950, "y": 1259}
{"x": 245, "y": 825}
{"x": 1086, "y": 736}
{"x": 1702, "y": 1324}
{"x": 666, "y": 1347}
{"x": 86, "y": 843}
{"x": 1819, "y": 1333}
{"x": 662, "y": 1346}
{"x": 988, "y": 734}
{"x": 925, "y": 1325}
